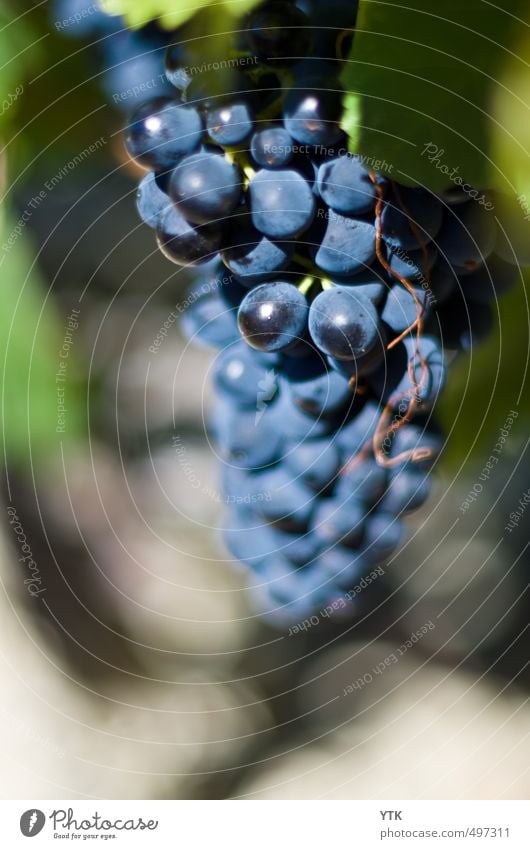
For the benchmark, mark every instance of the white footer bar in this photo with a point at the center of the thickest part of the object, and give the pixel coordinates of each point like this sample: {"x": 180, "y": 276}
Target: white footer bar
{"x": 266, "y": 824}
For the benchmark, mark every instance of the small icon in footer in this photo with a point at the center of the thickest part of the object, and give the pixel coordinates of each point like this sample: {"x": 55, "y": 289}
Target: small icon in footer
{"x": 32, "y": 822}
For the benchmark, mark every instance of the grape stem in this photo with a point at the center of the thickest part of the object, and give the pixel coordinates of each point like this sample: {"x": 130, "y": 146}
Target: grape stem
{"x": 305, "y": 285}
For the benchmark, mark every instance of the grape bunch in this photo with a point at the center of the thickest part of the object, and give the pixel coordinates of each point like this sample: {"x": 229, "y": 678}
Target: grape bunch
{"x": 336, "y": 297}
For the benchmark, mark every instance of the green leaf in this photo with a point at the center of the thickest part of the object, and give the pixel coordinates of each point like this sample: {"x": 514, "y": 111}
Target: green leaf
{"x": 486, "y": 384}
{"x": 20, "y": 51}
{"x": 32, "y": 336}
{"x": 419, "y": 82}
{"x": 172, "y": 13}
{"x": 511, "y": 145}
{"x": 511, "y": 107}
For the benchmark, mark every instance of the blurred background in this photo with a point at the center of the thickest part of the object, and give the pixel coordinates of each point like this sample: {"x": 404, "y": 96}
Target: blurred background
{"x": 132, "y": 665}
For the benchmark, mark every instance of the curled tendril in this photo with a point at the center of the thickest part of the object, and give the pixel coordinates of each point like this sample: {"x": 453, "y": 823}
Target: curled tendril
{"x": 386, "y": 428}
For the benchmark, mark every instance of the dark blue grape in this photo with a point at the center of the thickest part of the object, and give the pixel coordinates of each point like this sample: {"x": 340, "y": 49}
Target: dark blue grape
{"x": 375, "y": 291}
{"x": 151, "y": 200}
{"x": 442, "y": 282}
{"x": 277, "y": 32}
{"x": 322, "y": 394}
{"x": 359, "y": 430}
{"x": 81, "y": 18}
{"x": 296, "y": 425}
{"x": 411, "y": 218}
{"x": 205, "y": 187}
{"x": 430, "y": 383}
{"x": 161, "y": 132}
{"x": 468, "y": 235}
{"x": 251, "y": 256}
{"x": 412, "y": 437}
{"x": 298, "y": 549}
{"x": 345, "y": 185}
{"x": 213, "y": 88}
{"x": 281, "y": 202}
{"x": 364, "y": 480}
{"x": 402, "y": 308}
{"x": 273, "y": 316}
{"x": 237, "y": 374}
{"x": 289, "y": 503}
{"x": 337, "y": 521}
{"x": 230, "y": 125}
{"x": 343, "y": 565}
{"x": 207, "y": 319}
{"x": 272, "y": 147}
{"x": 491, "y": 281}
{"x": 132, "y": 68}
{"x": 408, "y": 490}
{"x": 347, "y": 246}
{"x": 393, "y": 383}
{"x": 312, "y": 113}
{"x": 414, "y": 266}
{"x": 343, "y": 324}
{"x": 185, "y": 244}
{"x": 246, "y": 439}
{"x": 249, "y": 545}
{"x": 383, "y": 534}
{"x": 296, "y": 590}
{"x": 316, "y": 462}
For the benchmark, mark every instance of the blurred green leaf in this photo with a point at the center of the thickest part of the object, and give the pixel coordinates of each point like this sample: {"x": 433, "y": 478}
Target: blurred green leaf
{"x": 20, "y": 52}
{"x": 422, "y": 73}
{"x": 31, "y": 339}
{"x": 511, "y": 145}
{"x": 511, "y": 107}
{"x": 172, "y": 13}
{"x": 489, "y": 382}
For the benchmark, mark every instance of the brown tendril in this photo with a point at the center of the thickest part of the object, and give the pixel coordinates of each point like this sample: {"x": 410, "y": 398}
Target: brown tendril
{"x": 386, "y": 427}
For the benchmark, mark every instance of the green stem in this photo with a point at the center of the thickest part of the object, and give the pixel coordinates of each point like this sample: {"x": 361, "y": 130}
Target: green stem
{"x": 305, "y": 285}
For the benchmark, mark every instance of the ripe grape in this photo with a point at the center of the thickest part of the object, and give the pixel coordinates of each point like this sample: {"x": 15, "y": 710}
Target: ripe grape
{"x": 205, "y": 187}
{"x": 343, "y": 323}
{"x": 273, "y": 316}
{"x": 161, "y": 132}
{"x": 345, "y": 185}
{"x": 230, "y": 125}
{"x": 272, "y": 147}
{"x": 183, "y": 243}
{"x": 281, "y": 203}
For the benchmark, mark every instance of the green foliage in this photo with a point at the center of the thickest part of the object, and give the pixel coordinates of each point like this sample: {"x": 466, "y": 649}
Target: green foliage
{"x": 511, "y": 107}
{"x": 423, "y": 72}
{"x": 173, "y": 13}
{"x": 20, "y": 52}
{"x": 31, "y": 339}
{"x": 511, "y": 142}
{"x": 485, "y": 385}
